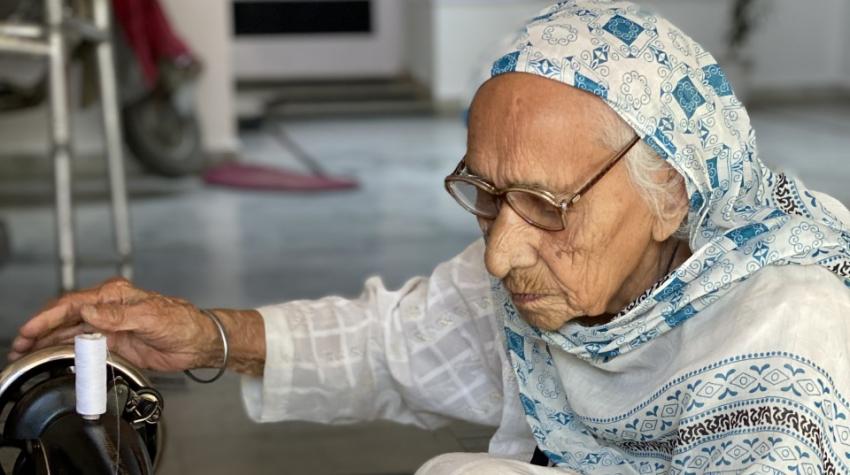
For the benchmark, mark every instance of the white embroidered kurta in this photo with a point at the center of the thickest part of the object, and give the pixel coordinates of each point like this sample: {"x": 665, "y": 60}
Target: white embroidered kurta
{"x": 435, "y": 350}
{"x": 427, "y": 353}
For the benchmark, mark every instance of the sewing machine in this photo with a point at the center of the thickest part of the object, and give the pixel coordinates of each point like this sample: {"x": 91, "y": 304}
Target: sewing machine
{"x": 37, "y": 407}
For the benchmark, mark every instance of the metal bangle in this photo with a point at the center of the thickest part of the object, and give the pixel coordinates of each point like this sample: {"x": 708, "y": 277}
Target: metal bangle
{"x": 220, "y": 327}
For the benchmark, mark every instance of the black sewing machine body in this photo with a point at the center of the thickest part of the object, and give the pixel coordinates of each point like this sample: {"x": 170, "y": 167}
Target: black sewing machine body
{"x": 37, "y": 397}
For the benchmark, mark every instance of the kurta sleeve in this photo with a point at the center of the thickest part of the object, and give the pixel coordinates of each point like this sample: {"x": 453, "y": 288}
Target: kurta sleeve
{"x": 421, "y": 355}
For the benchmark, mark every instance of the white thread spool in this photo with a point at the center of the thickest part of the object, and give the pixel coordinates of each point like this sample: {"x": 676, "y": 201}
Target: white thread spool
{"x": 90, "y": 367}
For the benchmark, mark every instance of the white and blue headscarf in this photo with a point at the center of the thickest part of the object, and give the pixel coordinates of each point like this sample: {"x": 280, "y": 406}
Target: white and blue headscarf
{"x": 742, "y": 215}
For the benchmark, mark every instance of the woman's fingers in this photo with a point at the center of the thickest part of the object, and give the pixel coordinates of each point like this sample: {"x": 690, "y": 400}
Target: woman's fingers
{"x": 48, "y": 320}
{"x": 59, "y": 337}
{"x": 139, "y": 325}
{"x": 103, "y": 317}
{"x": 15, "y": 355}
{"x": 65, "y": 335}
{"x": 108, "y": 318}
{"x": 65, "y": 311}
{"x": 55, "y": 319}
{"x": 21, "y": 344}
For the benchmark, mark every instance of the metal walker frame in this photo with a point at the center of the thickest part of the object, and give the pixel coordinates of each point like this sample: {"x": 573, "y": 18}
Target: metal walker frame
{"x": 51, "y": 41}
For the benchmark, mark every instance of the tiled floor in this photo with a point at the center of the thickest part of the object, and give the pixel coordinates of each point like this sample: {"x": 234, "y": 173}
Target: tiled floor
{"x": 225, "y": 248}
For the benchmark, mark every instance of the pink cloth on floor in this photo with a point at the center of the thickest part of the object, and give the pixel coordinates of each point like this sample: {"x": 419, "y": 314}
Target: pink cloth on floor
{"x": 258, "y": 177}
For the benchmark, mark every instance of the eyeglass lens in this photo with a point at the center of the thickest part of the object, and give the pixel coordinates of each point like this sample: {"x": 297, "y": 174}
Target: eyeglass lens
{"x": 529, "y": 206}
{"x": 474, "y": 199}
{"x": 535, "y": 209}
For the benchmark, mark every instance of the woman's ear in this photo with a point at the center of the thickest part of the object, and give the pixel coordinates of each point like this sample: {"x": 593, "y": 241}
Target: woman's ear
{"x": 674, "y": 210}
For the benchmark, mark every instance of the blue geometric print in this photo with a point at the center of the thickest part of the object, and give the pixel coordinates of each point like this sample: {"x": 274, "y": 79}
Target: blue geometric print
{"x": 666, "y": 124}
{"x": 716, "y": 78}
{"x": 696, "y": 201}
{"x": 680, "y": 316}
{"x": 642, "y": 84}
{"x": 505, "y": 64}
{"x": 777, "y": 213}
{"x": 687, "y": 96}
{"x": 528, "y": 405}
{"x": 545, "y": 16}
{"x": 771, "y": 411}
{"x": 743, "y": 234}
{"x": 589, "y": 85}
{"x": 661, "y": 144}
{"x": 623, "y": 28}
{"x": 759, "y": 392}
{"x": 600, "y": 56}
{"x": 661, "y": 56}
{"x": 515, "y": 342}
{"x": 742, "y": 218}
{"x": 545, "y": 68}
{"x": 713, "y": 178}
{"x": 672, "y": 291}
{"x": 761, "y": 252}
{"x": 704, "y": 133}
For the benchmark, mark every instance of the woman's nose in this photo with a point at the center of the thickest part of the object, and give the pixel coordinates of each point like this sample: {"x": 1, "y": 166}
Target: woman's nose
{"x": 511, "y": 243}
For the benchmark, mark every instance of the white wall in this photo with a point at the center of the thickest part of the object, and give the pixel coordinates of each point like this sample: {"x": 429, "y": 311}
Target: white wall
{"x": 206, "y": 25}
{"x": 704, "y": 21}
{"x": 801, "y": 47}
{"x": 333, "y": 55}
{"x": 465, "y": 35}
{"x": 419, "y": 43}
{"x": 847, "y": 46}
{"x": 794, "y": 47}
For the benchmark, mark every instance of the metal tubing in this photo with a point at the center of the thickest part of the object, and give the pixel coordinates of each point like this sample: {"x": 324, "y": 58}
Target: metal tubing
{"x": 10, "y": 44}
{"x": 22, "y": 30}
{"x": 60, "y": 141}
{"x": 86, "y": 30}
{"x": 114, "y": 141}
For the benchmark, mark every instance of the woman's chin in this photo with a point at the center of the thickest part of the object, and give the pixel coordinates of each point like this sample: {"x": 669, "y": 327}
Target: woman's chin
{"x": 542, "y": 321}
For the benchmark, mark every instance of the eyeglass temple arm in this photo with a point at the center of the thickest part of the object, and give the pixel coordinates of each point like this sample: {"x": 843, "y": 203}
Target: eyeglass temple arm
{"x": 622, "y": 153}
{"x": 460, "y": 166}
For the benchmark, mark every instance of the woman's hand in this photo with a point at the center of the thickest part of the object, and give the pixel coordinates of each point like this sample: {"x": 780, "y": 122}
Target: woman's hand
{"x": 150, "y": 330}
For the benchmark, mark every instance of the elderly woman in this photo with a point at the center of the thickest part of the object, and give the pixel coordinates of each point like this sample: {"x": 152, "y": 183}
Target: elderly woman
{"x": 658, "y": 300}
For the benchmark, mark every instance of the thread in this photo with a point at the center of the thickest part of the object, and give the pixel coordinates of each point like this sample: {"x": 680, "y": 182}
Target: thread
{"x": 90, "y": 367}
{"x": 118, "y": 412}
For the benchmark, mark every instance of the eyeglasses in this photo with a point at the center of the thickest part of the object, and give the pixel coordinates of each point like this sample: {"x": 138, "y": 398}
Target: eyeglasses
{"x": 540, "y": 208}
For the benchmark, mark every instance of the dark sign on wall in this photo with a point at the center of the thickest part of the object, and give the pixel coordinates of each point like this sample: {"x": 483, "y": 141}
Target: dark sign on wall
{"x": 291, "y": 17}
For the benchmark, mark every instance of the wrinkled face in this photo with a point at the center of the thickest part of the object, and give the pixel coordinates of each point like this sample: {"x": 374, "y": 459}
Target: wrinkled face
{"x": 528, "y": 130}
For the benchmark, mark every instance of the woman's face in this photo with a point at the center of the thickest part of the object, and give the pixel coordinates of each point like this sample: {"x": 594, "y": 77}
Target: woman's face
{"x": 528, "y": 130}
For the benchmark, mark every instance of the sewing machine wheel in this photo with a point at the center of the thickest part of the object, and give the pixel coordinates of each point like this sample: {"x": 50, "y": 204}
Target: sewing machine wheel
{"x": 38, "y": 417}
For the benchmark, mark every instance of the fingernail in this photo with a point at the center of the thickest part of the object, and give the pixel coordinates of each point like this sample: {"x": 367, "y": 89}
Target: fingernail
{"x": 88, "y": 310}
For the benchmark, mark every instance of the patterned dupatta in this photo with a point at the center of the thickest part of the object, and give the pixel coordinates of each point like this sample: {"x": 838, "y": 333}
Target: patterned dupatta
{"x": 743, "y": 216}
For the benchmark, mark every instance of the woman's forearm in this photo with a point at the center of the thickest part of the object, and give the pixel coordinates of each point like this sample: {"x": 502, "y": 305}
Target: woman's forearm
{"x": 246, "y": 339}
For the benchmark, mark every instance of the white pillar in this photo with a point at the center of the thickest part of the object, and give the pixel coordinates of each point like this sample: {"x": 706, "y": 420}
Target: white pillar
{"x": 206, "y": 25}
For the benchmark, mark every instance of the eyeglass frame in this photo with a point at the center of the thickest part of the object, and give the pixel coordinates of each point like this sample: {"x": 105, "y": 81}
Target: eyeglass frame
{"x": 562, "y": 202}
